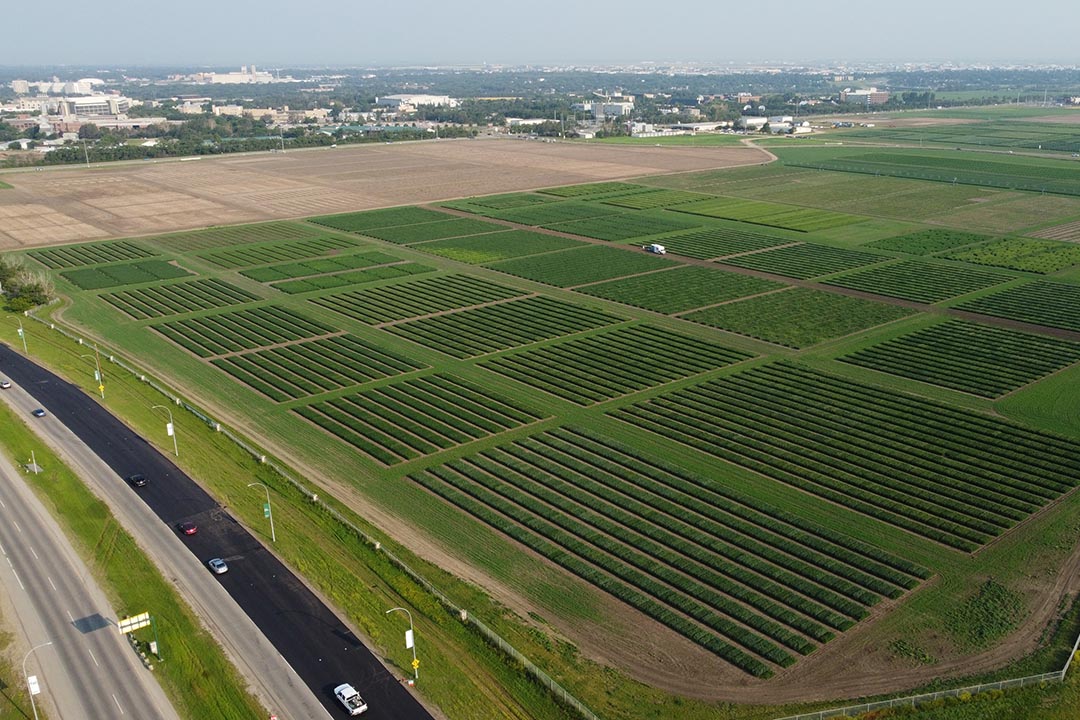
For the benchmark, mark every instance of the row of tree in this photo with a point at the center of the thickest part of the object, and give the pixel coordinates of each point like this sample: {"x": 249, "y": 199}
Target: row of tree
{"x": 23, "y": 289}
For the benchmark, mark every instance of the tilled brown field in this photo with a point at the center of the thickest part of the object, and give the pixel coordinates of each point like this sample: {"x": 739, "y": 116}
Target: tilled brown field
{"x": 63, "y": 205}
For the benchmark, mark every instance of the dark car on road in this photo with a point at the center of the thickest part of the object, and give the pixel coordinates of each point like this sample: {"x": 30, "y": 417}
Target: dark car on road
{"x": 187, "y": 528}
{"x": 137, "y": 480}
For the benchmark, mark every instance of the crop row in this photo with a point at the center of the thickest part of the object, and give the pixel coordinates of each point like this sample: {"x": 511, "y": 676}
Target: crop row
{"x": 491, "y": 247}
{"x": 240, "y": 330}
{"x": 805, "y": 260}
{"x": 243, "y": 256}
{"x": 412, "y": 418}
{"x": 929, "y": 241}
{"x": 235, "y": 235}
{"x": 371, "y": 219}
{"x": 1016, "y": 168}
{"x": 451, "y": 227}
{"x": 714, "y": 242}
{"x": 315, "y": 366}
{"x": 681, "y": 289}
{"x": 354, "y": 277}
{"x": 978, "y": 359}
{"x": 77, "y": 255}
{"x": 791, "y": 217}
{"x": 320, "y": 266}
{"x": 654, "y": 199}
{"x": 107, "y": 276}
{"x": 579, "y": 266}
{"x": 1040, "y": 303}
{"x": 624, "y": 226}
{"x": 920, "y": 281}
{"x": 496, "y": 327}
{"x": 1037, "y": 256}
{"x": 415, "y": 298}
{"x": 177, "y": 298}
{"x": 593, "y": 189}
{"x": 599, "y": 367}
{"x": 554, "y": 212}
{"x": 503, "y": 202}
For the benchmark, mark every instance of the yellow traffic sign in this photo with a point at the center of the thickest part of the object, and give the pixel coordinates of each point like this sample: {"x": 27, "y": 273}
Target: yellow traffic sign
{"x": 415, "y": 664}
{"x": 101, "y": 388}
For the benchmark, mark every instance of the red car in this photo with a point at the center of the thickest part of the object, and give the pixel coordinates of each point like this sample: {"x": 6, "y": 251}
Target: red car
{"x": 187, "y": 528}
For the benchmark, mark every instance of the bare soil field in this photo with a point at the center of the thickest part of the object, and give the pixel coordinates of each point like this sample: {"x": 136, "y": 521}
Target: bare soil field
{"x": 64, "y": 205}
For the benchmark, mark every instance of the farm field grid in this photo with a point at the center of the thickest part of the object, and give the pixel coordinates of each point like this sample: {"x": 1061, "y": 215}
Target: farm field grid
{"x": 793, "y": 449}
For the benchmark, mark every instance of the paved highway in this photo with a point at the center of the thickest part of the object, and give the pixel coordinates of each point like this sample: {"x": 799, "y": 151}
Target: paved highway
{"x": 274, "y": 628}
{"x": 89, "y": 671}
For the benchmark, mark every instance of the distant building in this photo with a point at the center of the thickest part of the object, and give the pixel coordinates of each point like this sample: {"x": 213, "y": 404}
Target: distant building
{"x": 20, "y": 87}
{"x": 871, "y": 96}
{"x": 752, "y": 122}
{"x": 400, "y": 102}
{"x": 605, "y": 109}
{"x": 94, "y": 105}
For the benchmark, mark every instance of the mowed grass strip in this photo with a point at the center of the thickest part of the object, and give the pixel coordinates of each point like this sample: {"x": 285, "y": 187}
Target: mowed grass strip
{"x": 456, "y": 227}
{"x": 479, "y": 331}
{"x": 579, "y": 266}
{"x": 315, "y": 366}
{"x": 320, "y": 266}
{"x": 415, "y": 298}
{"x": 978, "y": 359}
{"x": 623, "y": 227}
{"x": 805, "y": 260}
{"x": 715, "y": 242}
{"x": 177, "y": 298}
{"x": 492, "y": 247}
{"x": 234, "y": 235}
{"x": 920, "y": 281}
{"x": 278, "y": 252}
{"x": 241, "y": 330}
{"x": 967, "y": 477}
{"x": 108, "y": 276}
{"x": 927, "y": 242}
{"x": 1037, "y": 256}
{"x": 412, "y": 418}
{"x": 371, "y": 219}
{"x": 681, "y": 289}
{"x": 600, "y": 367}
{"x": 78, "y": 255}
{"x": 1041, "y": 303}
{"x": 799, "y": 317}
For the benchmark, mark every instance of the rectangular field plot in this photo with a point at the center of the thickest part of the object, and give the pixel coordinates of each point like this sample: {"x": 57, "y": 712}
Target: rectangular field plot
{"x": 314, "y": 366}
{"x": 77, "y": 255}
{"x": 623, "y": 227}
{"x": 455, "y": 227}
{"x": 601, "y": 367}
{"x": 799, "y": 317}
{"x": 555, "y": 212}
{"x": 681, "y": 289}
{"x": 927, "y": 242}
{"x": 655, "y": 199}
{"x": 1037, "y": 256}
{"x": 593, "y": 189}
{"x": 497, "y": 327}
{"x": 582, "y": 265}
{"x": 241, "y": 330}
{"x": 372, "y": 219}
{"x": 178, "y": 298}
{"x": 412, "y": 418}
{"x": 715, "y": 242}
{"x": 757, "y": 586}
{"x": 278, "y": 252}
{"x": 920, "y": 281}
{"x": 415, "y": 298}
{"x": 489, "y": 204}
{"x": 1041, "y": 303}
{"x": 355, "y": 277}
{"x": 235, "y": 235}
{"x": 791, "y": 217}
{"x": 108, "y": 276}
{"x": 805, "y": 261}
{"x": 954, "y": 476}
{"x": 321, "y": 266}
{"x": 977, "y": 359}
{"x": 492, "y": 247}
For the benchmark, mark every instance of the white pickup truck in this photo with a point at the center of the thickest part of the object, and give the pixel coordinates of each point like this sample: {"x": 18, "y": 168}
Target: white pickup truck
{"x": 347, "y": 695}
{"x": 655, "y": 248}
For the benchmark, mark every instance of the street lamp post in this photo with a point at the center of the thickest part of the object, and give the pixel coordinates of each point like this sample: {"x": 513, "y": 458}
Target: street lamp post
{"x": 170, "y": 429}
{"x": 269, "y": 511}
{"x": 26, "y": 677}
{"x": 410, "y": 641}
{"x": 97, "y": 371}
{"x": 22, "y": 335}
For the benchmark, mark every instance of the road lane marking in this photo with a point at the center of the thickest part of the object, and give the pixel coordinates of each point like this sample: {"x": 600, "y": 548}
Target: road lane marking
{"x": 52, "y": 583}
{"x": 34, "y": 553}
{"x": 70, "y": 617}
{"x": 95, "y": 661}
{"x": 16, "y": 574}
{"x": 16, "y": 525}
{"x": 118, "y": 704}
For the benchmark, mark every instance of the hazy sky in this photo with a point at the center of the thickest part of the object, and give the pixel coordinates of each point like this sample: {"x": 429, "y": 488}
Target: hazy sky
{"x": 374, "y": 32}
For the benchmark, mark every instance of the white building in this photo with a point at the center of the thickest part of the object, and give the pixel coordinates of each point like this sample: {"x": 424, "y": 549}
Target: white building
{"x": 20, "y": 87}
{"x": 401, "y": 101}
{"x": 95, "y": 105}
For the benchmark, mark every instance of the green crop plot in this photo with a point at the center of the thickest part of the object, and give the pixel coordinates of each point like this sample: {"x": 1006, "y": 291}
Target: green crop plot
{"x": 805, "y": 260}
{"x": 241, "y": 330}
{"x": 1037, "y": 256}
{"x": 456, "y": 227}
{"x": 108, "y": 276}
{"x": 181, "y": 297}
{"x": 412, "y": 418}
{"x": 554, "y": 212}
{"x": 624, "y": 226}
{"x": 977, "y": 359}
{"x": 582, "y": 265}
{"x": 492, "y": 247}
{"x": 593, "y": 189}
{"x": 321, "y": 266}
{"x": 790, "y": 217}
{"x": 278, "y": 252}
{"x": 314, "y": 366}
{"x": 355, "y": 277}
{"x": 655, "y": 199}
{"x": 478, "y": 331}
{"x": 752, "y": 584}
{"x": 415, "y": 298}
{"x": 681, "y": 289}
{"x": 371, "y": 219}
{"x": 716, "y": 242}
{"x": 1041, "y": 303}
{"x": 927, "y": 242}
{"x": 1006, "y": 134}
{"x": 967, "y": 477}
{"x": 76, "y": 255}
{"x": 607, "y": 365}
{"x": 234, "y": 235}
{"x": 799, "y": 317}
{"x": 920, "y": 281}
{"x": 495, "y": 203}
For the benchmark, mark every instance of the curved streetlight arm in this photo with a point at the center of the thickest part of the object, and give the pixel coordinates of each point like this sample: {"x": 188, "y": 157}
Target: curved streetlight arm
{"x": 410, "y": 640}
{"x": 269, "y": 510}
{"x": 170, "y": 428}
{"x": 26, "y": 678}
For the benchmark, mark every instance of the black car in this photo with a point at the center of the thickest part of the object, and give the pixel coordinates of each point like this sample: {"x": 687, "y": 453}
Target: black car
{"x": 138, "y": 480}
